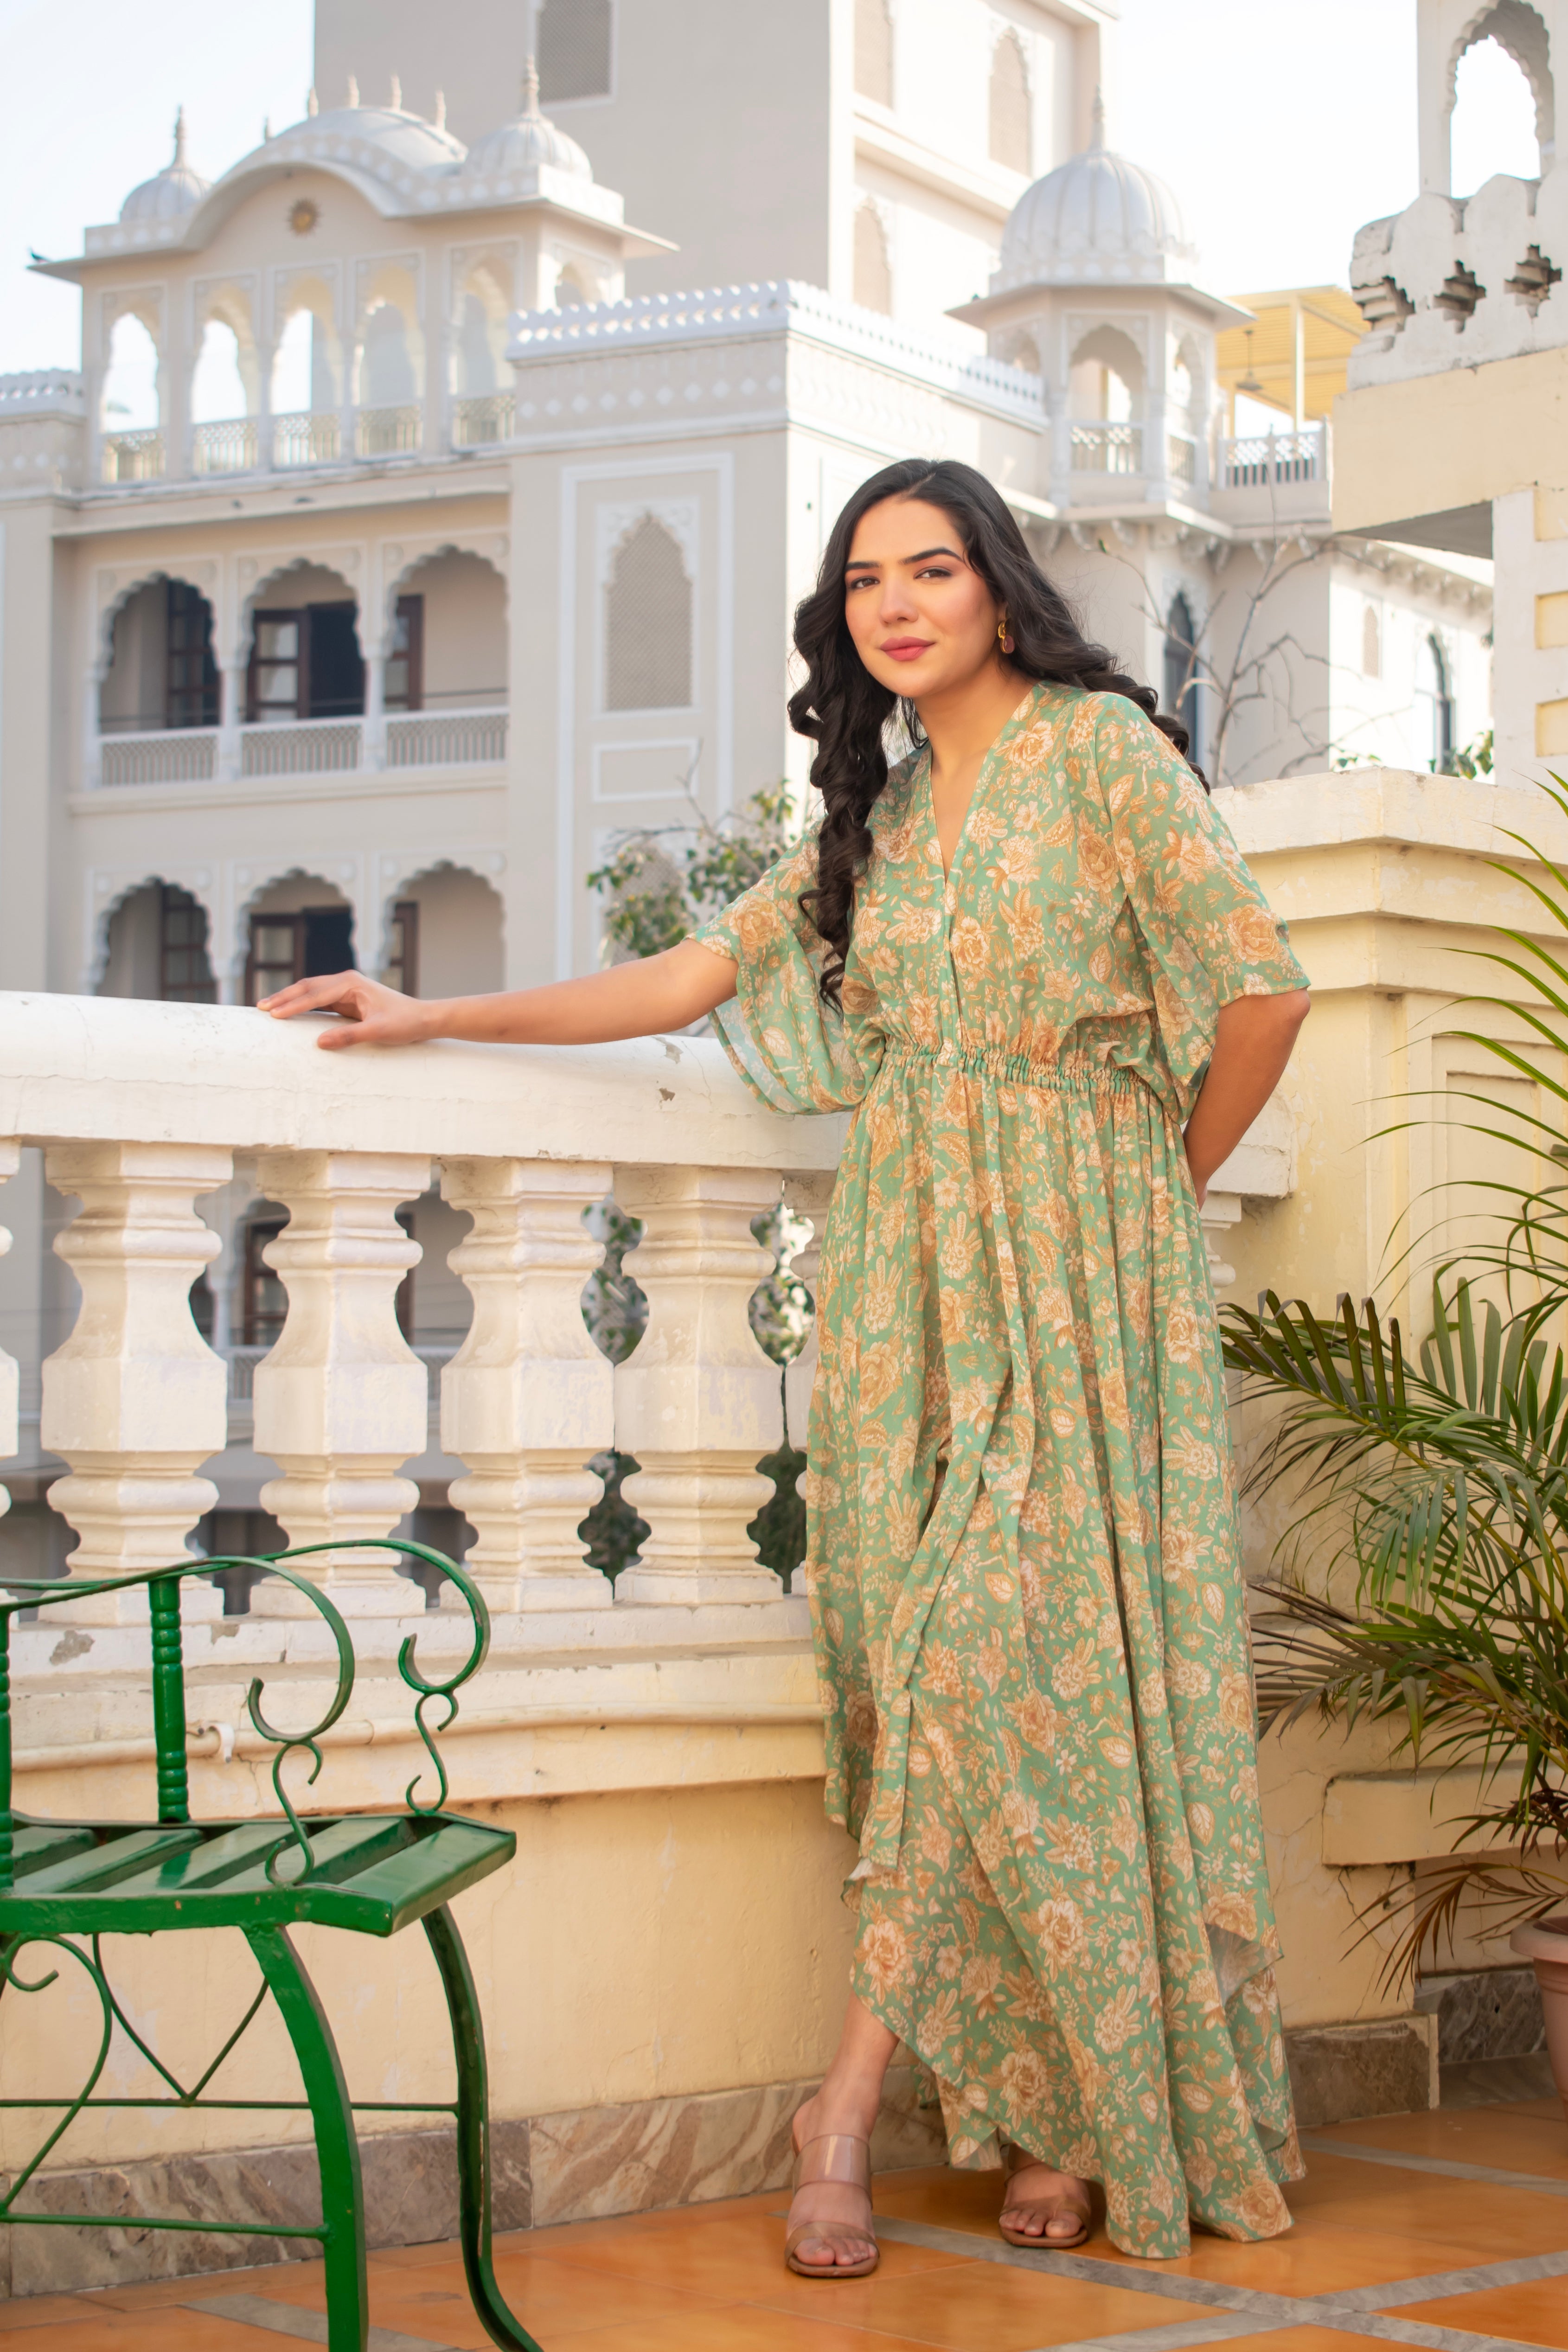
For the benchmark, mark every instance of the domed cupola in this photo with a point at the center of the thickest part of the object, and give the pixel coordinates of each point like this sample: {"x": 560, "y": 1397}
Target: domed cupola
{"x": 524, "y": 143}
{"x": 1097, "y": 218}
{"x": 172, "y": 193}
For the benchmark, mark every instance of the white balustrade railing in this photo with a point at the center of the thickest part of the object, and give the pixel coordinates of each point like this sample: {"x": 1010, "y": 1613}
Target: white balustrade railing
{"x": 306, "y": 438}
{"x": 388, "y": 432}
{"x": 430, "y": 738}
{"x": 225, "y": 445}
{"x": 1181, "y": 457}
{"x": 175, "y": 755}
{"x": 1107, "y": 449}
{"x": 483, "y": 418}
{"x": 137, "y": 1405}
{"x": 133, "y": 456}
{"x": 300, "y": 746}
{"x": 1262, "y": 460}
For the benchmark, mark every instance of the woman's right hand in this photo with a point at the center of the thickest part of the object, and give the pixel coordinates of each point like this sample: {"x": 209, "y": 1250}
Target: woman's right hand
{"x": 369, "y": 1013}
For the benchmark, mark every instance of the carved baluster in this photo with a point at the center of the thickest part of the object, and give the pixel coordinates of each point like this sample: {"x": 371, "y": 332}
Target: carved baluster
{"x": 10, "y": 1437}
{"x": 698, "y": 1402}
{"x": 135, "y": 1399}
{"x": 527, "y": 1397}
{"x": 343, "y": 1399}
{"x": 807, "y": 1196}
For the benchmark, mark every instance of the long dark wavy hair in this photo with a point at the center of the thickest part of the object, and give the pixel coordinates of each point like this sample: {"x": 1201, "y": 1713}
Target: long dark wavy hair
{"x": 845, "y": 710}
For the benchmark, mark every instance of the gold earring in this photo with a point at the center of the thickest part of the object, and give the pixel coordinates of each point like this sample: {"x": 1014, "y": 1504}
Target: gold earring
{"x": 1003, "y": 639}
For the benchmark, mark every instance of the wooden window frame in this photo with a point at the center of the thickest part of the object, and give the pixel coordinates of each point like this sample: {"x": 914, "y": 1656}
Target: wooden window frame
{"x": 297, "y": 613}
{"x": 252, "y": 968}
{"x": 174, "y": 901}
{"x": 411, "y": 612}
{"x": 181, "y": 604}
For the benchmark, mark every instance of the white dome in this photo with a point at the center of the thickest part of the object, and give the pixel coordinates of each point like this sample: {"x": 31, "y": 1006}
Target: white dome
{"x": 397, "y": 138}
{"x": 171, "y": 192}
{"x": 529, "y": 140}
{"x": 1095, "y": 218}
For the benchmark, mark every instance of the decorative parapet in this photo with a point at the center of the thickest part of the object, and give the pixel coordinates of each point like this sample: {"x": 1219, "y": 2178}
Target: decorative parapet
{"x": 772, "y": 310}
{"x": 1447, "y": 284}
{"x": 43, "y": 416}
{"x": 42, "y": 392}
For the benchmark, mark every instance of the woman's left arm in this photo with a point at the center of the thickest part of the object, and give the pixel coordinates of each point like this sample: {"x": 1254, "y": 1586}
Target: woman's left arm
{"x": 1252, "y": 1044}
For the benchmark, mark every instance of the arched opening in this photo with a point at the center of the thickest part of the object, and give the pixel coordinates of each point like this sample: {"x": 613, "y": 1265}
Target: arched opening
{"x": 1012, "y": 130}
{"x": 161, "y": 671}
{"x": 443, "y": 936}
{"x": 1501, "y": 98}
{"x": 1183, "y": 695}
{"x": 448, "y": 649}
{"x": 299, "y": 927}
{"x": 573, "y": 39}
{"x": 157, "y": 948}
{"x": 1106, "y": 391}
{"x": 1371, "y": 643}
{"x": 305, "y": 658}
{"x": 648, "y": 622}
{"x": 873, "y": 51}
{"x": 873, "y": 271}
{"x": 1024, "y": 353}
{"x": 387, "y": 378}
{"x": 571, "y": 289}
{"x": 481, "y": 343}
{"x": 1434, "y": 710}
{"x": 217, "y": 387}
{"x": 130, "y": 381}
{"x": 306, "y": 395}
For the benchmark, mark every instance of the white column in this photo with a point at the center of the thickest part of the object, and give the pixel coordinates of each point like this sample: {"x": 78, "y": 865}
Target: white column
{"x": 1059, "y": 428}
{"x": 807, "y": 1196}
{"x": 698, "y": 1402}
{"x": 135, "y": 1400}
{"x": 527, "y": 1397}
{"x": 373, "y": 727}
{"x": 10, "y": 1438}
{"x": 343, "y": 1399}
{"x": 91, "y": 732}
{"x": 232, "y": 676}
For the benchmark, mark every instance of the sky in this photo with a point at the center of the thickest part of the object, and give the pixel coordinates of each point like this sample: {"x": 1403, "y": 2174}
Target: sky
{"x": 1280, "y": 129}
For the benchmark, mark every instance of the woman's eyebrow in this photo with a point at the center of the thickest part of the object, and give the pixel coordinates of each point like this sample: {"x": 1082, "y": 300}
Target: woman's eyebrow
{"x": 868, "y": 564}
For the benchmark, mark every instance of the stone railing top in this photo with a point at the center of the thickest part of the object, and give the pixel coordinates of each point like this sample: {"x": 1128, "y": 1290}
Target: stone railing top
{"x": 92, "y": 1068}
{"x": 42, "y": 392}
{"x": 1393, "y": 805}
{"x": 779, "y": 306}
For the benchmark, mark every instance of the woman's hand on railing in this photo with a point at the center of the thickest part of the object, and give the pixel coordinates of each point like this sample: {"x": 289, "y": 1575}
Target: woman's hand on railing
{"x": 646, "y": 999}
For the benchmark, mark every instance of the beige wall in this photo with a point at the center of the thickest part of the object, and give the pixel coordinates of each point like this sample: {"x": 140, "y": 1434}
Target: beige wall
{"x": 464, "y": 632}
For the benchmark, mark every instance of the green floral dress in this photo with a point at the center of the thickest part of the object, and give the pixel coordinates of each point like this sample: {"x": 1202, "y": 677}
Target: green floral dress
{"x": 1022, "y": 1547}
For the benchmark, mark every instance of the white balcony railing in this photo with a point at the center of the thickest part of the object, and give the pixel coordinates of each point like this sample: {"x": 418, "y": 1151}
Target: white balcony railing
{"x": 306, "y": 438}
{"x": 1181, "y": 457}
{"x": 388, "y": 432}
{"x": 1107, "y": 449}
{"x": 225, "y": 445}
{"x": 1262, "y": 460}
{"x": 485, "y": 416}
{"x": 526, "y": 1139}
{"x": 303, "y": 747}
{"x": 177, "y": 755}
{"x": 133, "y": 456}
{"x": 429, "y": 739}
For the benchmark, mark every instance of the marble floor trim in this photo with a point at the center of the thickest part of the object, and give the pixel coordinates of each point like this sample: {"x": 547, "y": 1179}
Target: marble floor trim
{"x": 303, "y": 2326}
{"x": 1539, "y": 2184}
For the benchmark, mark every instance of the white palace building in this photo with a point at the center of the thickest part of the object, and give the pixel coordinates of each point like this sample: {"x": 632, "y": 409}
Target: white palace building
{"x": 437, "y": 483}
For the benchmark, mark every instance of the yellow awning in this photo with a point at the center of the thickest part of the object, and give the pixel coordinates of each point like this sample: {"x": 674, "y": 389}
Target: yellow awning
{"x": 1297, "y": 349}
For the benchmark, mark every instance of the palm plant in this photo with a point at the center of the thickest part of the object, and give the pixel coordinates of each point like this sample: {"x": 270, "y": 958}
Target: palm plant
{"x": 1434, "y": 1493}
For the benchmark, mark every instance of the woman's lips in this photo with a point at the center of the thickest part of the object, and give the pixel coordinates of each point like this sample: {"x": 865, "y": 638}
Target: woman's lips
{"x": 906, "y": 649}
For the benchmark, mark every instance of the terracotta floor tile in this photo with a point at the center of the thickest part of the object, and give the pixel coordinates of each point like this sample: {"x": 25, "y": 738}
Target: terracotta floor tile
{"x": 1505, "y": 2222}
{"x": 150, "y": 2331}
{"x": 986, "y": 2307}
{"x": 552, "y": 2299}
{"x": 43, "y": 2311}
{"x": 555, "y": 2235}
{"x": 1536, "y": 2314}
{"x": 743, "y": 2327}
{"x": 156, "y": 2292}
{"x": 1503, "y": 2137}
{"x": 739, "y": 2262}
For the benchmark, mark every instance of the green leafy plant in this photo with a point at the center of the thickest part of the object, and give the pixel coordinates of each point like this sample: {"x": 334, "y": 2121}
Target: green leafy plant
{"x": 1432, "y": 1494}
{"x": 660, "y": 883}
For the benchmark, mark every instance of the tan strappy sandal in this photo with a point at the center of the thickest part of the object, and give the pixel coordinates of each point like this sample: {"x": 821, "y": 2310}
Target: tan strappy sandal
{"x": 835, "y": 2156}
{"x": 1047, "y": 2208}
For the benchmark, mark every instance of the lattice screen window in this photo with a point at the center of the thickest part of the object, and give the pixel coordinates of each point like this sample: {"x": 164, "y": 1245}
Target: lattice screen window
{"x": 874, "y": 273}
{"x": 873, "y": 51}
{"x": 1011, "y": 142}
{"x": 648, "y": 622}
{"x": 573, "y": 38}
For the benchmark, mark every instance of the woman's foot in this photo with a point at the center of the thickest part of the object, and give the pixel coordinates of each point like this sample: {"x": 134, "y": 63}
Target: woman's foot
{"x": 1043, "y": 2206}
{"x": 830, "y": 2228}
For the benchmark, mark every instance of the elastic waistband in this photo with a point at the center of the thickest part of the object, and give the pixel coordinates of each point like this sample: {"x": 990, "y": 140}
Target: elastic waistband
{"x": 1076, "y": 1074}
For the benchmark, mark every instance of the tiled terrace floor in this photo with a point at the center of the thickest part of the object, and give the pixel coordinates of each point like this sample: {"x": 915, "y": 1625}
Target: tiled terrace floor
{"x": 1447, "y": 2231}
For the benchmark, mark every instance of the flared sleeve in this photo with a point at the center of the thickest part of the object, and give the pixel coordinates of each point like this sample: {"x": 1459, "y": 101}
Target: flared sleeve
{"x": 795, "y": 1052}
{"x": 1209, "y": 933}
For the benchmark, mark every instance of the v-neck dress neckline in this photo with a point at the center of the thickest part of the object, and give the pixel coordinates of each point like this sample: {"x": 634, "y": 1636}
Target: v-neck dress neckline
{"x": 1021, "y": 712}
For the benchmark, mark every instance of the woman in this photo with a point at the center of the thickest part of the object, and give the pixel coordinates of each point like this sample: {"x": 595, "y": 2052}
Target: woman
{"x": 1026, "y": 954}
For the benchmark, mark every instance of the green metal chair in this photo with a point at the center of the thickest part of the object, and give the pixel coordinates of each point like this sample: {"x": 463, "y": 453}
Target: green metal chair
{"x": 371, "y": 1873}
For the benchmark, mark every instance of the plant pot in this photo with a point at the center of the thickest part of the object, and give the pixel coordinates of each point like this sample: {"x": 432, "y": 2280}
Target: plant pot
{"x": 1545, "y": 1944}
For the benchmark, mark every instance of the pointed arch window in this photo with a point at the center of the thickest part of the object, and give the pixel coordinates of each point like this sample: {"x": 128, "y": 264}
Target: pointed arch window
{"x": 1013, "y": 136}
{"x": 1434, "y": 706}
{"x": 648, "y": 622}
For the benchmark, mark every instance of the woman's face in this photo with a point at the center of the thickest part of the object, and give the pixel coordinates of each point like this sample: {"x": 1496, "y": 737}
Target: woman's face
{"x": 922, "y": 618}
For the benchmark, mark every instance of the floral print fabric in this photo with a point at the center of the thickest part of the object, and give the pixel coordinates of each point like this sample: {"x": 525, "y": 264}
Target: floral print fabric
{"x": 1022, "y": 1549}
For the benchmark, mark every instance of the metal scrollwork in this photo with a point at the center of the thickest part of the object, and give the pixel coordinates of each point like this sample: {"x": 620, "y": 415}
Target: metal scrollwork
{"x": 107, "y": 2004}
